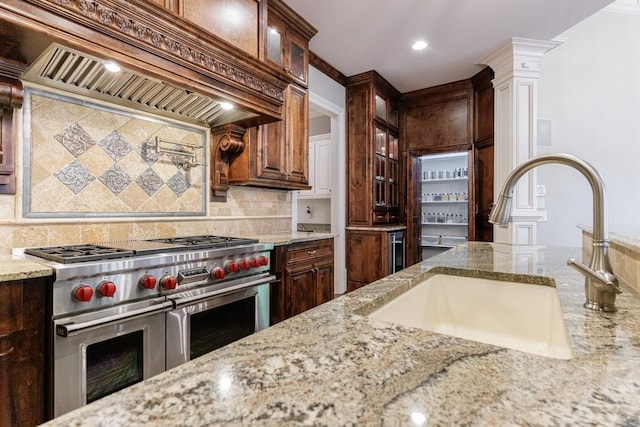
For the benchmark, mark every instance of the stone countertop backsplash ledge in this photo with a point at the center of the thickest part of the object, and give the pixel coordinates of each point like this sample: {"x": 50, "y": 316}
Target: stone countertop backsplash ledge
{"x": 624, "y": 252}
{"x": 333, "y": 366}
{"x": 317, "y": 228}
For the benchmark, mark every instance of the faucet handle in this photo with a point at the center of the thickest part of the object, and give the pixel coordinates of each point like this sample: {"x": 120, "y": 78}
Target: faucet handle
{"x": 601, "y": 279}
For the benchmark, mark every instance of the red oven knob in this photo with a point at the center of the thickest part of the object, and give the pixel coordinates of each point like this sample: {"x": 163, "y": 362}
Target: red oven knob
{"x": 168, "y": 282}
{"x": 83, "y": 293}
{"x": 255, "y": 262}
{"x": 263, "y": 260}
{"x": 244, "y": 264}
{"x": 217, "y": 273}
{"x": 232, "y": 267}
{"x": 106, "y": 289}
{"x": 148, "y": 281}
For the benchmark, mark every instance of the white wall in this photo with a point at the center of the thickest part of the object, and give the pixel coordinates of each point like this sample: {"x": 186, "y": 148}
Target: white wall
{"x": 590, "y": 90}
{"x": 329, "y": 97}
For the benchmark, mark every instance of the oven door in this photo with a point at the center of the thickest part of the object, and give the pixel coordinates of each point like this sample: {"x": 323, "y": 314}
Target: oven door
{"x": 209, "y": 318}
{"x": 99, "y": 353}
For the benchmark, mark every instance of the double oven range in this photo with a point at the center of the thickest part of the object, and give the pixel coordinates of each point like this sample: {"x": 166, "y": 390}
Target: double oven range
{"x": 124, "y": 311}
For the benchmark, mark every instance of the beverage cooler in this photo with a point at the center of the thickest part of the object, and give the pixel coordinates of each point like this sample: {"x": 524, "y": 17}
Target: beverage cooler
{"x": 444, "y": 202}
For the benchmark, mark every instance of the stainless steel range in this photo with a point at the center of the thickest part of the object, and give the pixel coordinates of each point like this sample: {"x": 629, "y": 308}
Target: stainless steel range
{"x": 125, "y": 311}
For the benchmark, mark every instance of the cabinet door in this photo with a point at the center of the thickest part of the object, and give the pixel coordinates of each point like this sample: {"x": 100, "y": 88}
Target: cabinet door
{"x": 22, "y": 352}
{"x": 235, "y": 21}
{"x": 271, "y": 151}
{"x": 297, "y": 135}
{"x": 324, "y": 284}
{"x": 300, "y": 289}
{"x": 297, "y": 57}
{"x": 322, "y": 168}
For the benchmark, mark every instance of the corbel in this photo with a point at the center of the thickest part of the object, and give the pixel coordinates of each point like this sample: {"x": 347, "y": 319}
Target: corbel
{"x": 11, "y": 97}
{"x": 226, "y": 143}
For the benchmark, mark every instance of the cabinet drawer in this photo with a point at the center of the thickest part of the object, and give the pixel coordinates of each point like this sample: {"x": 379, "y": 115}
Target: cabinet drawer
{"x": 306, "y": 252}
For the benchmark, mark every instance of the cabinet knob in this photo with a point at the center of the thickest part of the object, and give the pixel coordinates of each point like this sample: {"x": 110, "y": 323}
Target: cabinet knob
{"x": 311, "y": 252}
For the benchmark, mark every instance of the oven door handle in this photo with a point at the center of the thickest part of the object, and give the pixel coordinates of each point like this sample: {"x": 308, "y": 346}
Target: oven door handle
{"x": 66, "y": 327}
{"x": 179, "y": 302}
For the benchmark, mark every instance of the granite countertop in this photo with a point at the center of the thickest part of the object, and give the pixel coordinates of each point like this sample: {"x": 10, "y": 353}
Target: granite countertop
{"x": 18, "y": 268}
{"x": 378, "y": 228}
{"x": 279, "y": 239}
{"x": 333, "y": 366}
{"x": 15, "y": 268}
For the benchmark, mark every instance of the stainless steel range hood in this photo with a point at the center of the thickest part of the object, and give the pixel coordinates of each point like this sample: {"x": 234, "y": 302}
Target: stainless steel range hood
{"x": 79, "y": 73}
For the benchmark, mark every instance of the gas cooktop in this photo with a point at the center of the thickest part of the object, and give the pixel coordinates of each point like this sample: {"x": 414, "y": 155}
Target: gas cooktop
{"x": 130, "y": 248}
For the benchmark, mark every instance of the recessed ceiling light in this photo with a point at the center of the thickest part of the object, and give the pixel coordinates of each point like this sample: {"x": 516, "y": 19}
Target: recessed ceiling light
{"x": 419, "y": 45}
{"x": 226, "y": 105}
{"x": 112, "y": 67}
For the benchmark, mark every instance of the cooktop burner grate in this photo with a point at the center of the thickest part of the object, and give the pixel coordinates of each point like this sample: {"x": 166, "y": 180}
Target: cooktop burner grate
{"x": 78, "y": 253}
{"x": 207, "y": 241}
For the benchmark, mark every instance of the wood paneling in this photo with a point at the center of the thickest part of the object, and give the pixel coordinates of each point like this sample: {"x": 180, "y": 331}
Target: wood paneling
{"x": 483, "y": 152}
{"x": 235, "y": 21}
{"x": 438, "y": 118}
{"x": 359, "y": 179}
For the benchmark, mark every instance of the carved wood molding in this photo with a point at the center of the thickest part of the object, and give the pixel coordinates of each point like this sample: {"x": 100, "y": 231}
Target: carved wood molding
{"x": 328, "y": 69}
{"x": 134, "y": 23}
{"x": 227, "y": 142}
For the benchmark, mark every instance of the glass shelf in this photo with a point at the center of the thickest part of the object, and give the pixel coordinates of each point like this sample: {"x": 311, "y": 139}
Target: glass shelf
{"x": 464, "y": 178}
{"x": 445, "y": 223}
{"x": 444, "y": 201}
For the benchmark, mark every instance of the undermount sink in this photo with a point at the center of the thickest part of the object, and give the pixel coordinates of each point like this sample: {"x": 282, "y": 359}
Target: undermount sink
{"x": 519, "y": 316}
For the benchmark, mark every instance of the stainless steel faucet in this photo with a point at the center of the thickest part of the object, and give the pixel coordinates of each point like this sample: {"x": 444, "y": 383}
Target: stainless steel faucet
{"x": 601, "y": 285}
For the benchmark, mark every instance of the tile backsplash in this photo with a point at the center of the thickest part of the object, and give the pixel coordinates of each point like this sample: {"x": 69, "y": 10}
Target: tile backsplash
{"x": 248, "y": 211}
{"x": 83, "y": 158}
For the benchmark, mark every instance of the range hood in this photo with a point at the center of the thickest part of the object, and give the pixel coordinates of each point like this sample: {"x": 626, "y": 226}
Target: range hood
{"x": 170, "y": 66}
{"x": 69, "y": 70}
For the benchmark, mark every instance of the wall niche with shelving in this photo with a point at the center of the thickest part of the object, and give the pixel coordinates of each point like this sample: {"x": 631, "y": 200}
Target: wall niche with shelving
{"x": 444, "y": 201}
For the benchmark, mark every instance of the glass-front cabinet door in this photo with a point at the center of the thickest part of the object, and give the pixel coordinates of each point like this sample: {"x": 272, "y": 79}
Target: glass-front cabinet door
{"x": 380, "y": 169}
{"x": 393, "y": 173}
{"x": 274, "y": 44}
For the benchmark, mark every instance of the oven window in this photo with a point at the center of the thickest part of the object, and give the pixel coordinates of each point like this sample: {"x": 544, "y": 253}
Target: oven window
{"x": 113, "y": 365}
{"x": 222, "y": 325}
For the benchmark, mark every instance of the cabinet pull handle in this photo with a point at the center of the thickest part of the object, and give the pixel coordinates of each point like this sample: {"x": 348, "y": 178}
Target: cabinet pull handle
{"x": 311, "y": 252}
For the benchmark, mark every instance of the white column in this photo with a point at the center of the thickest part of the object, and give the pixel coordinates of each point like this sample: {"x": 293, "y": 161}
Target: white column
{"x": 515, "y": 117}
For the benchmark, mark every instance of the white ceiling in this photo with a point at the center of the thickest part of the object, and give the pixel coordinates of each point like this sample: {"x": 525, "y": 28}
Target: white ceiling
{"x": 356, "y": 36}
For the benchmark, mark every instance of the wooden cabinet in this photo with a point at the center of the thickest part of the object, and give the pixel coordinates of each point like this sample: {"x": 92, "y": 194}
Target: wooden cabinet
{"x": 22, "y": 352}
{"x": 455, "y": 117}
{"x": 320, "y": 151}
{"x": 373, "y": 151}
{"x": 483, "y": 152}
{"x": 367, "y": 256}
{"x": 305, "y": 277}
{"x": 277, "y": 154}
{"x": 235, "y": 21}
{"x": 287, "y": 41}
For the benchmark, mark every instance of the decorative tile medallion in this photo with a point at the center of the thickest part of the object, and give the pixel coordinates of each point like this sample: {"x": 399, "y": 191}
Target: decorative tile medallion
{"x": 115, "y": 146}
{"x": 115, "y": 179}
{"x": 75, "y": 176}
{"x": 104, "y": 168}
{"x": 149, "y": 181}
{"x": 75, "y": 139}
{"x": 178, "y": 184}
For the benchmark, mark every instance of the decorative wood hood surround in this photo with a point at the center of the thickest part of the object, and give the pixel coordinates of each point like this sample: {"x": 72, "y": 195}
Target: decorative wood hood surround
{"x": 152, "y": 42}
